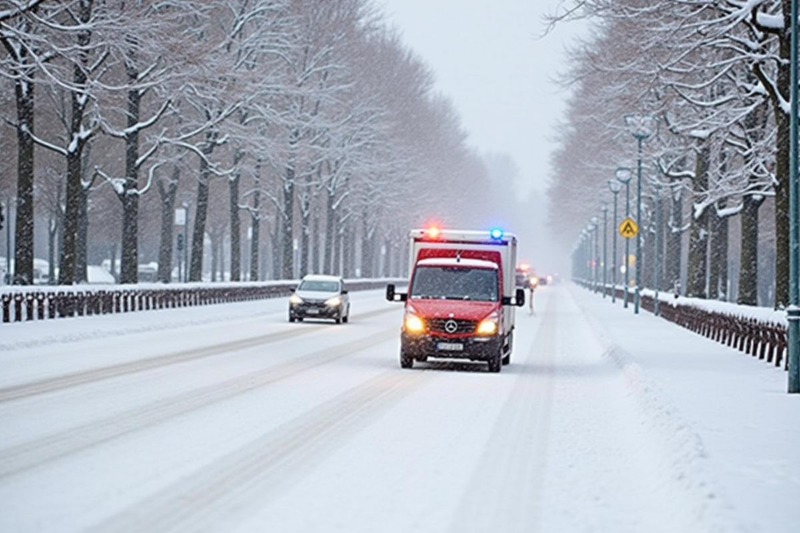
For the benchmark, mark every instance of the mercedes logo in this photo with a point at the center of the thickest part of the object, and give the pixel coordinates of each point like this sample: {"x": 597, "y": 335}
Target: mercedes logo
{"x": 451, "y": 326}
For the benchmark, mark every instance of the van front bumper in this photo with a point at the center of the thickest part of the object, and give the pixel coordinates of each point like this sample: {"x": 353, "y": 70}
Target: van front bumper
{"x": 472, "y": 348}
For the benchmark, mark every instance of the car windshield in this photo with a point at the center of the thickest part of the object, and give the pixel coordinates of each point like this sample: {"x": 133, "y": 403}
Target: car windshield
{"x": 319, "y": 286}
{"x": 455, "y": 283}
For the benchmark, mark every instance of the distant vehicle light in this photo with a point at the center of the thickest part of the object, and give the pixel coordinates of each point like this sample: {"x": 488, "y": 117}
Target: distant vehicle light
{"x": 496, "y": 233}
{"x": 549, "y": 279}
{"x": 524, "y": 267}
{"x": 534, "y": 281}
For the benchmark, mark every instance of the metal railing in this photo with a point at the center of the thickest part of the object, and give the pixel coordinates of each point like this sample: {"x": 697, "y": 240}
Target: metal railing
{"x": 40, "y": 304}
{"x": 764, "y": 339}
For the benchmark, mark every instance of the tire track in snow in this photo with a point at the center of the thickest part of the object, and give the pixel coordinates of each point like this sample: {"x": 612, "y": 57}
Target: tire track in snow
{"x": 35, "y": 388}
{"x": 505, "y": 489}
{"x": 28, "y": 455}
{"x": 214, "y": 497}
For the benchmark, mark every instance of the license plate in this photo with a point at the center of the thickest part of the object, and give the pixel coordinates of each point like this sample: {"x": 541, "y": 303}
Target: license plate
{"x": 450, "y": 346}
{"x": 312, "y": 311}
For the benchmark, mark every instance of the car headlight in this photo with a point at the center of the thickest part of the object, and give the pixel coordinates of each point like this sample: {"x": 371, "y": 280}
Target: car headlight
{"x": 413, "y": 324}
{"x": 488, "y": 326}
{"x": 333, "y": 302}
{"x": 295, "y": 299}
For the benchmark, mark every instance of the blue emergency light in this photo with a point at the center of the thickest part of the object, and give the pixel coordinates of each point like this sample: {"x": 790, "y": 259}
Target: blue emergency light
{"x": 496, "y": 233}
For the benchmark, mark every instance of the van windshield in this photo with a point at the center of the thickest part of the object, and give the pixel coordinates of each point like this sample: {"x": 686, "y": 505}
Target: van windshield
{"x": 455, "y": 283}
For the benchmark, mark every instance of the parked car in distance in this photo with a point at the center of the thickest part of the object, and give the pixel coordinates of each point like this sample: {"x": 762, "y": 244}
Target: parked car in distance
{"x": 320, "y": 296}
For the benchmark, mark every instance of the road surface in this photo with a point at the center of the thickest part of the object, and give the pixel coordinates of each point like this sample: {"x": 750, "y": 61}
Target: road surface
{"x": 239, "y": 421}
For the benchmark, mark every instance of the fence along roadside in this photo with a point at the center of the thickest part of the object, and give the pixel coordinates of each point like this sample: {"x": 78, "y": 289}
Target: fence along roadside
{"x": 36, "y": 304}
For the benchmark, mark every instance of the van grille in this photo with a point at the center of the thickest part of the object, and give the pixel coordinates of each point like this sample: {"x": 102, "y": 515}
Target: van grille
{"x": 438, "y": 325}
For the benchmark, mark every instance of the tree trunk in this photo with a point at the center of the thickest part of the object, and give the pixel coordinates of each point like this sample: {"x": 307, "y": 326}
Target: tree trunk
{"x": 23, "y": 229}
{"x": 698, "y": 242}
{"x": 66, "y": 273}
{"x": 305, "y": 242}
{"x": 338, "y": 268}
{"x": 236, "y": 228}
{"x": 675, "y": 241}
{"x": 200, "y": 216}
{"x": 748, "y": 262}
{"x": 81, "y": 241}
{"x": 255, "y": 237}
{"x": 214, "y": 256}
{"x": 715, "y": 230}
{"x": 330, "y": 232}
{"x": 167, "y": 195}
{"x": 275, "y": 249}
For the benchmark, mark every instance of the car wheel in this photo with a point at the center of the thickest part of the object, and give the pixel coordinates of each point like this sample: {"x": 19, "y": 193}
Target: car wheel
{"x": 291, "y": 319}
{"x": 507, "y": 359}
{"x": 406, "y": 361}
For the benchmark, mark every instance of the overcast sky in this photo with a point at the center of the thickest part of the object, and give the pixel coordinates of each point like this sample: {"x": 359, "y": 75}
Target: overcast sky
{"x": 486, "y": 56}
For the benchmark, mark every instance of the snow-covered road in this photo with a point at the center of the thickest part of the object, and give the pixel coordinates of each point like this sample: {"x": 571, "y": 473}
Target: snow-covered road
{"x": 227, "y": 418}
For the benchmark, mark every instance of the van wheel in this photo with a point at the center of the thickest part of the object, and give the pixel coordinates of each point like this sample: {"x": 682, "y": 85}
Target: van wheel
{"x": 405, "y": 360}
{"x": 496, "y": 363}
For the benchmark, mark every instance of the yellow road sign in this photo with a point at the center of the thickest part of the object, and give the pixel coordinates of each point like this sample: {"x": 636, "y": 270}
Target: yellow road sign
{"x": 628, "y": 228}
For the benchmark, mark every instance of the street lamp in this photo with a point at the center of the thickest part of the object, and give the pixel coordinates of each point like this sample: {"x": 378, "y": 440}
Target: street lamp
{"x": 604, "y": 209}
{"x": 624, "y": 175}
{"x": 614, "y": 186}
{"x": 793, "y": 311}
{"x": 642, "y": 127}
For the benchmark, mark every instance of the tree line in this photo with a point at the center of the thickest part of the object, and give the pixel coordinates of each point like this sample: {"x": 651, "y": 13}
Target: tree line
{"x": 300, "y": 135}
{"x": 715, "y": 78}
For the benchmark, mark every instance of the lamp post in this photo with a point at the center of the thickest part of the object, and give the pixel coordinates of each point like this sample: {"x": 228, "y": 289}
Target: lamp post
{"x": 587, "y": 262}
{"x": 614, "y": 186}
{"x": 592, "y": 229}
{"x": 604, "y": 209}
{"x": 641, "y": 128}
{"x": 793, "y": 311}
{"x": 624, "y": 175}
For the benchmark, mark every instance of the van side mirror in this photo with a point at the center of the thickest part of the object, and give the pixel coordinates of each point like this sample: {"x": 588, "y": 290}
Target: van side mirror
{"x": 345, "y": 291}
{"x": 518, "y": 299}
{"x": 393, "y": 296}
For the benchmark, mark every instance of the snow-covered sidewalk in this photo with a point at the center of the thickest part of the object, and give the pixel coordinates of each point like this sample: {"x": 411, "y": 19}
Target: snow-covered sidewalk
{"x": 723, "y": 411}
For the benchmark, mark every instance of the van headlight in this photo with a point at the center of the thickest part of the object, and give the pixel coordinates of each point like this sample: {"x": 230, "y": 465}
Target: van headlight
{"x": 295, "y": 299}
{"x": 413, "y": 324}
{"x": 488, "y": 326}
{"x": 336, "y": 301}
